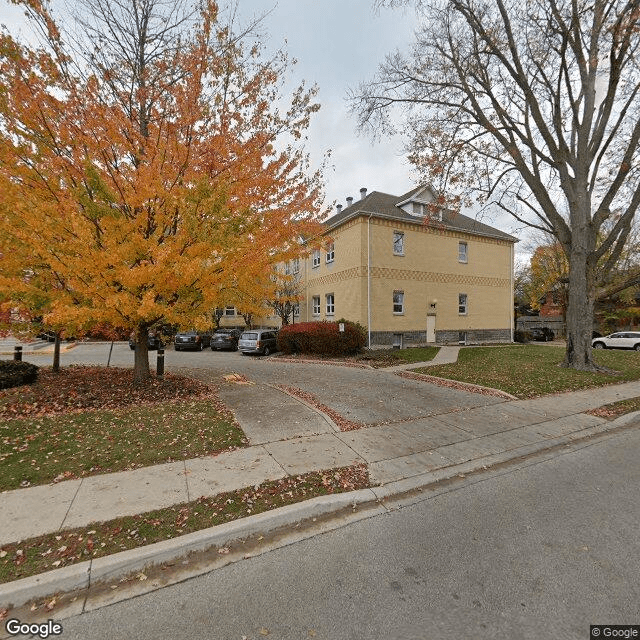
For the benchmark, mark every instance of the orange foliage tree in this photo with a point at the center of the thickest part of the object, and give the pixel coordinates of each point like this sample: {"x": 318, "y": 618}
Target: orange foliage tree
{"x": 150, "y": 168}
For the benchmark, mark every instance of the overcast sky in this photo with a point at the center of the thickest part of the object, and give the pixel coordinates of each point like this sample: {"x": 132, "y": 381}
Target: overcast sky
{"x": 338, "y": 44}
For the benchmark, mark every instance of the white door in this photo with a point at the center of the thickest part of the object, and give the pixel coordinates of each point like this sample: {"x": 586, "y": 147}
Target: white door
{"x": 431, "y": 328}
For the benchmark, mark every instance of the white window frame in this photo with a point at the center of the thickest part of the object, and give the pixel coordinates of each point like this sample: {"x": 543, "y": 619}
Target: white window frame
{"x": 463, "y": 252}
{"x": 331, "y": 251}
{"x": 296, "y": 265}
{"x": 315, "y": 305}
{"x": 315, "y": 260}
{"x": 296, "y": 310}
{"x": 229, "y": 311}
{"x": 330, "y": 304}
{"x": 287, "y": 268}
{"x": 463, "y": 304}
{"x": 398, "y": 303}
{"x": 398, "y": 243}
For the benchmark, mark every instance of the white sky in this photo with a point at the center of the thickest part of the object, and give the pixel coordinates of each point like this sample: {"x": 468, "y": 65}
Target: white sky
{"x": 338, "y": 44}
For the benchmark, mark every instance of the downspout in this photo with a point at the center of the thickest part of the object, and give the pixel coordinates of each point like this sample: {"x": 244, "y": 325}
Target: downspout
{"x": 511, "y": 292}
{"x": 369, "y": 277}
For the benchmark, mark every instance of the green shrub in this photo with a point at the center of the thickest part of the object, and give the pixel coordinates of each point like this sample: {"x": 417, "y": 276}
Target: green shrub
{"x": 14, "y": 373}
{"x": 322, "y": 338}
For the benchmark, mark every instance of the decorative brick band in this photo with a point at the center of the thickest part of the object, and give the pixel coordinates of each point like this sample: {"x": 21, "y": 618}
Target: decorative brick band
{"x": 430, "y": 276}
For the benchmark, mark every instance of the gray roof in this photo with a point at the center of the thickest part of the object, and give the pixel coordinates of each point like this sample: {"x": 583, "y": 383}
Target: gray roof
{"x": 385, "y": 205}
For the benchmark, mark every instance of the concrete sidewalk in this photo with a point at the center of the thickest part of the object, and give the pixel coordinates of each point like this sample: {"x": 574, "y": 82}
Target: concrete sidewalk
{"x": 393, "y": 452}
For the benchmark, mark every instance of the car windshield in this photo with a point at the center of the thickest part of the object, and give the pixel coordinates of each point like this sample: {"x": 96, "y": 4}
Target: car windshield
{"x": 249, "y": 336}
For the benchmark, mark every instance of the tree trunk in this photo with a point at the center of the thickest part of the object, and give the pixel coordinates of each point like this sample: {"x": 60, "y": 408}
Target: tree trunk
{"x": 141, "y": 371}
{"x": 56, "y": 353}
{"x": 579, "y": 314}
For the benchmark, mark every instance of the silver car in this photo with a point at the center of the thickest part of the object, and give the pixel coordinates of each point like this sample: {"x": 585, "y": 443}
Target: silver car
{"x": 618, "y": 340}
{"x": 263, "y": 341}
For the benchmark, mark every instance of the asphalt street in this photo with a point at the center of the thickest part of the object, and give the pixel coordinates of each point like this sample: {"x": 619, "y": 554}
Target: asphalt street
{"x": 539, "y": 550}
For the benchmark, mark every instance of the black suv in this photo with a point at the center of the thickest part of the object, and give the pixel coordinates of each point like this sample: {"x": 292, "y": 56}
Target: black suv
{"x": 153, "y": 342}
{"x": 542, "y": 334}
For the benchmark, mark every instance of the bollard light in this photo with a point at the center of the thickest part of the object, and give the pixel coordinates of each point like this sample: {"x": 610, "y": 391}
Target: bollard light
{"x": 17, "y": 353}
{"x": 160, "y": 363}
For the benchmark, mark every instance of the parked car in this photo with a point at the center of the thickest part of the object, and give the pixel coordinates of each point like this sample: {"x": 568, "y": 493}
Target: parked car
{"x": 618, "y": 340}
{"x": 153, "y": 342}
{"x": 225, "y": 339}
{"x": 263, "y": 341}
{"x": 191, "y": 340}
{"x": 542, "y": 334}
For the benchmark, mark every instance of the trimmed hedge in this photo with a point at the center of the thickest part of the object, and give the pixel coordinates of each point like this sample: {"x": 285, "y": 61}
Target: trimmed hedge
{"x": 14, "y": 373}
{"x": 322, "y": 338}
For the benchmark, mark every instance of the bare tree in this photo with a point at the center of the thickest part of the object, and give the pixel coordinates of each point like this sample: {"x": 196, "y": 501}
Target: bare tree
{"x": 533, "y": 108}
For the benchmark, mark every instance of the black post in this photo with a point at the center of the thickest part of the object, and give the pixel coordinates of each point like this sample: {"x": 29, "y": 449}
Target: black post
{"x": 17, "y": 353}
{"x": 160, "y": 364}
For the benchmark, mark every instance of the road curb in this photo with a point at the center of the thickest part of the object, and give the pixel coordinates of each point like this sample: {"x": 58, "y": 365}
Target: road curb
{"x": 364, "y": 503}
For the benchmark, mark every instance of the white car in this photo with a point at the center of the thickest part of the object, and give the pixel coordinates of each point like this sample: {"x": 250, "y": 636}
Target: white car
{"x": 618, "y": 340}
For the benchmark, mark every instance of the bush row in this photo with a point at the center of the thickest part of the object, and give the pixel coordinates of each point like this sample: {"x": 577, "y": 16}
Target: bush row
{"x": 13, "y": 373}
{"x": 322, "y": 338}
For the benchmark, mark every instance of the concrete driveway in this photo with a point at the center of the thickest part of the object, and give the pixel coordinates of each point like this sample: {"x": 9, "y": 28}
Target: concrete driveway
{"x": 369, "y": 396}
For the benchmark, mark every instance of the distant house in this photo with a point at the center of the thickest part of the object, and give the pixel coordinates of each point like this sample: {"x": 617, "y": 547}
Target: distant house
{"x": 409, "y": 275}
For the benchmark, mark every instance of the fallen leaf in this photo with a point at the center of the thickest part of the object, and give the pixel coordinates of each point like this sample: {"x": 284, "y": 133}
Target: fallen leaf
{"x": 264, "y": 632}
{"x": 51, "y": 604}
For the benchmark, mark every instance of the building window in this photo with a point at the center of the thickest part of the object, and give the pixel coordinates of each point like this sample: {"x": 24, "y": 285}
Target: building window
{"x": 229, "y": 311}
{"x": 316, "y": 259}
{"x": 287, "y": 269}
{"x": 296, "y": 265}
{"x": 330, "y": 252}
{"x": 331, "y": 305}
{"x": 462, "y": 304}
{"x": 296, "y": 310}
{"x": 398, "y": 302}
{"x": 462, "y": 252}
{"x": 316, "y": 305}
{"x": 398, "y": 243}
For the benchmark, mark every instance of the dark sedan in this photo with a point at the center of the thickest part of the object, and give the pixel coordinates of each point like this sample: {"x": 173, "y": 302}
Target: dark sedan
{"x": 191, "y": 341}
{"x": 225, "y": 339}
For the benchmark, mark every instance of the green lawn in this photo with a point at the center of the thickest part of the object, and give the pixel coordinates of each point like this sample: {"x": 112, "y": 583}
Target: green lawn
{"x": 391, "y": 357}
{"x": 528, "y": 371}
{"x": 38, "y": 450}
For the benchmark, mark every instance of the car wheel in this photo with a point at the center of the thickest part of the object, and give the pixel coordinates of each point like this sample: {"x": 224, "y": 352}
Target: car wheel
{"x": 599, "y": 345}
{"x": 637, "y": 347}
{"x": 266, "y": 351}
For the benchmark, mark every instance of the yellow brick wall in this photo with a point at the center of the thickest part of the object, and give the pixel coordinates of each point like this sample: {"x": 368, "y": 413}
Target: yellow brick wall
{"x": 428, "y": 271}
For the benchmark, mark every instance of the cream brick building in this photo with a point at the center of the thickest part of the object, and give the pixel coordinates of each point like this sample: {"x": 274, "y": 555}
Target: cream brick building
{"x": 447, "y": 280}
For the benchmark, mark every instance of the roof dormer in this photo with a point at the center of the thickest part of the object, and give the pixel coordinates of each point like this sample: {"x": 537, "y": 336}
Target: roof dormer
{"x": 416, "y": 203}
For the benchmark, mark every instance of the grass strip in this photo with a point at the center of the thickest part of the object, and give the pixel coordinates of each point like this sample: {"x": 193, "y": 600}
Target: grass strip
{"x": 616, "y": 409}
{"x": 64, "y": 548}
{"x": 530, "y": 371}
